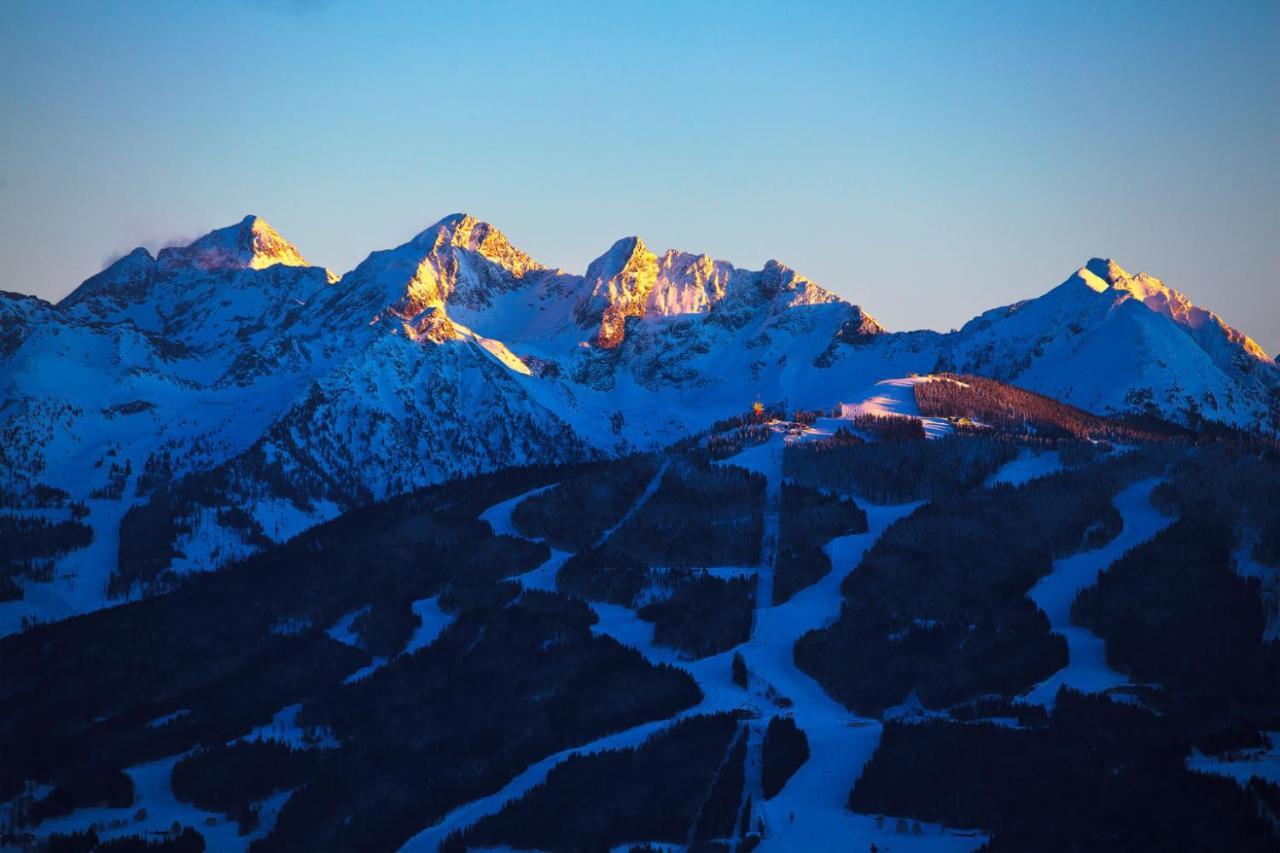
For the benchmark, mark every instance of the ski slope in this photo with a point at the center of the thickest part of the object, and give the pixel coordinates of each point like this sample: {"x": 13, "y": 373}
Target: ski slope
{"x": 810, "y": 811}
{"x": 1087, "y": 668}
{"x": 890, "y": 397}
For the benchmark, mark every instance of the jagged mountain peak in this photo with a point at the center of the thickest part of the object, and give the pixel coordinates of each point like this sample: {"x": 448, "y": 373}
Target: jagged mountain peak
{"x": 125, "y": 280}
{"x": 250, "y": 244}
{"x": 1107, "y": 270}
{"x": 1210, "y": 331}
{"x": 464, "y": 231}
{"x": 629, "y": 254}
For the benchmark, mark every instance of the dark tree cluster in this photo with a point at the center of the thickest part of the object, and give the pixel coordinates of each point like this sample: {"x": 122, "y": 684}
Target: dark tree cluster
{"x": 700, "y": 614}
{"x": 81, "y": 785}
{"x": 604, "y": 575}
{"x": 785, "y": 750}
{"x": 1174, "y": 611}
{"x": 575, "y": 514}
{"x": 997, "y": 405}
{"x": 809, "y": 520}
{"x": 1238, "y": 488}
{"x": 496, "y": 692}
{"x": 183, "y": 840}
{"x": 701, "y": 515}
{"x": 890, "y": 427}
{"x": 808, "y": 417}
{"x": 684, "y": 784}
{"x": 148, "y": 543}
{"x": 723, "y": 445}
{"x": 434, "y": 727}
{"x": 1102, "y": 776}
{"x": 999, "y": 708}
{"x": 231, "y": 779}
{"x": 87, "y": 687}
{"x": 33, "y": 495}
{"x": 1268, "y": 797}
{"x": 738, "y": 670}
{"x": 387, "y": 624}
{"x": 30, "y": 543}
{"x": 117, "y": 479}
{"x": 938, "y": 605}
{"x": 897, "y": 472}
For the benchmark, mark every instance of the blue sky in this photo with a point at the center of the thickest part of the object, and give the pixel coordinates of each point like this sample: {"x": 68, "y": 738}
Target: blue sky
{"x": 925, "y": 160}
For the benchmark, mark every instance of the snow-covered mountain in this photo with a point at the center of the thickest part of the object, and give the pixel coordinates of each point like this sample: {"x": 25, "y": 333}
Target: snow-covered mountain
{"x": 295, "y": 393}
{"x": 1111, "y": 342}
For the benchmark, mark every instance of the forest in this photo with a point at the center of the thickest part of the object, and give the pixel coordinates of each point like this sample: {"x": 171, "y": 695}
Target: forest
{"x": 988, "y": 404}
{"x": 809, "y": 519}
{"x": 785, "y": 750}
{"x": 77, "y": 695}
{"x": 682, "y": 786}
{"x": 701, "y": 515}
{"x": 30, "y": 543}
{"x": 938, "y": 605}
{"x": 700, "y": 614}
{"x": 1101, "y": 776}
{"x": 893, "y": 472}
{"x": 577, "y": 512}
{"x": 935, "y": 612}
{"x": 1175, "y": 612}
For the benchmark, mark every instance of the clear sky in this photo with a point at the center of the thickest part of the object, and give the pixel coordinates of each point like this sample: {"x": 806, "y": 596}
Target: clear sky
{"x": 925, "y": 160}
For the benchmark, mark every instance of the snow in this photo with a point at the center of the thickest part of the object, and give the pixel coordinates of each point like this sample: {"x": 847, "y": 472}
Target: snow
{"x": 897, "y": 397}
{"x": 365, "y": 671}
{"x": 226, "y": 358}
{"x": 498, "y": 516}
{"x": 342, "y": 629}
{"x": 648, "y": 492}
{"x": 284, "y": 728}
{"x": 1269, "y": 577}
{"x": 1029, "y": 465}
{"x": 810, "y": 811}
{"x": 432, "y": 620}
{"x": 1087, "y": 668}
{"x": 168, "y": 718}
{"x": 154, "y": 796}
{"x": 80, "y": 577}
{"x": 1243, "y": 765}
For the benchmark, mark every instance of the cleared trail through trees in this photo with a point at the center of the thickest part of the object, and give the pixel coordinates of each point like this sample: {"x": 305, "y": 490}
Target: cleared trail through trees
{"x": 641, "y": 501}
{"x": 712, "y": 675}
{"x": 80, "y": 575}
{"x": 1054, "y": 593}
{"x": 810, "y": 810}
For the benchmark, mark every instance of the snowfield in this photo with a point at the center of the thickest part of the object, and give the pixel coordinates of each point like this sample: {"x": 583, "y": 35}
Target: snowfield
{"x": 897, "y": 397}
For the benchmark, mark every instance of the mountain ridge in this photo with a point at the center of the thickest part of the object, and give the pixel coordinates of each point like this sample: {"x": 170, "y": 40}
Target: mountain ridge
{"x": 456, "y": 352}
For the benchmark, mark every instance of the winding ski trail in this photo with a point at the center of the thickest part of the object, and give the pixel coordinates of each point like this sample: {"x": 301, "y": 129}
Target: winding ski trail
{"x": 811, "y": 809}
{"x": 1087, "y": 668}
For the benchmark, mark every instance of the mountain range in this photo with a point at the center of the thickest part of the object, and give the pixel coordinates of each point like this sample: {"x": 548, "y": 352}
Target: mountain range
{"x": 233, "y": 372}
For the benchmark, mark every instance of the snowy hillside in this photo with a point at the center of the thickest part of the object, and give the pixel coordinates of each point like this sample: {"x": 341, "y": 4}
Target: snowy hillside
{"x": 231, "y": 373}
{"x": 1110, "y": 342}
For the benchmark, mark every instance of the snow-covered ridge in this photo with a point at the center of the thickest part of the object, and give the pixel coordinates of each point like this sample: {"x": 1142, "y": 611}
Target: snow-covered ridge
{"x": 456, "y": 352}
{"x": 252, "y": 244}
